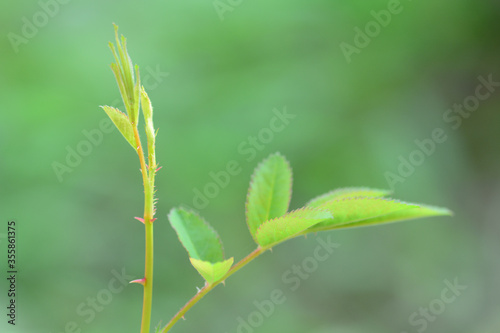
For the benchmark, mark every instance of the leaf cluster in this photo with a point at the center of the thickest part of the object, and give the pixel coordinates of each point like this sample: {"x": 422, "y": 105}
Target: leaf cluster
{"x": 134, "y": 98}
{"x": 270, "y": 222}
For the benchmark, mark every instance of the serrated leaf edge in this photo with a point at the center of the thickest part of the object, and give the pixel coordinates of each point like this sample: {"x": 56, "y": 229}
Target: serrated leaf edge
{"x": 194, "y": 264}
{"x": 289, "y": 213}
{"x": 354, "y": 189}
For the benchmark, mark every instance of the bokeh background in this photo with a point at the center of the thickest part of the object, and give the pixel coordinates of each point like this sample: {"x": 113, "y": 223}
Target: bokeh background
{"x": 216, "y": 71}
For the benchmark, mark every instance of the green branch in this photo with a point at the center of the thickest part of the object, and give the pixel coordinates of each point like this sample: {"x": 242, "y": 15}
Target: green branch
{"x": 208, "y": 287}
{"x": 134, "y": 98}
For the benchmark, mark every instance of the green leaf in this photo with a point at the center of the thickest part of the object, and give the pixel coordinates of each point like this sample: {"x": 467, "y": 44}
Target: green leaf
{"x": 202, "y": 244}
{"x": 351, "y": 212}
{"x": 411, "y": 213}
{"x": 269, "y": 193}
{"x": 119, "y": 80}
{"x": 288, "y": 226}
{"x": 347, "y": 192}
{"x": 196, "y": 235}
{"x": 212, "y": 272}
{"x": 121, "y": 122}
{"x": 137, "y": 95}
{"x": 124, "y": 74}
{"x": 125, "y": 62}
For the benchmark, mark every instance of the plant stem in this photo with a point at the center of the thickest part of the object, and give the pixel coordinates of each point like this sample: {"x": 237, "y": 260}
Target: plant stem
{"x": 148, "y": 182}
{"x": 208, "y": 287}
{"x": 148, "y": 280}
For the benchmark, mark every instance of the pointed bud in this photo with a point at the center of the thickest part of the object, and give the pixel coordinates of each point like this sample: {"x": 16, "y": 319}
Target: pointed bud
{"x": 147, "y": 108}
{"x": 124, "y": 74}
{"x": 147, "y": 111}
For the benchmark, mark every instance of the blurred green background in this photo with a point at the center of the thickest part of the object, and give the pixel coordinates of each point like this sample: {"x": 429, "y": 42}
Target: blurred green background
{"x": 215, "y": 72}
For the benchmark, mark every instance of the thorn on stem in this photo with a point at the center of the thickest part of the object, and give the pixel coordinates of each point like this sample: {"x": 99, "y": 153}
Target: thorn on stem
{"x": 153, "y": 219}
{"x": 139, "y": 219}
{"x": 158, "y": 169}
{"x": 140, "y": 281}
{"x": 183, "y": 317}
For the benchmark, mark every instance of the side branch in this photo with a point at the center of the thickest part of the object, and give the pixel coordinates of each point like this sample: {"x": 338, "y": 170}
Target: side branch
{"x": 208, "y": 287}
